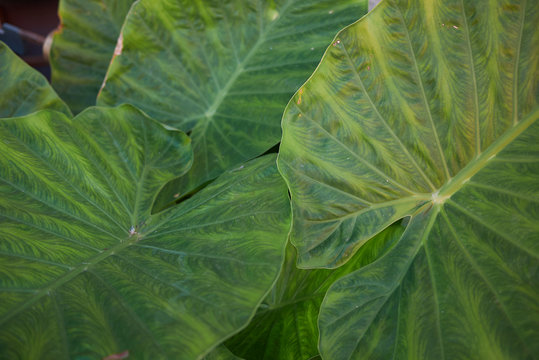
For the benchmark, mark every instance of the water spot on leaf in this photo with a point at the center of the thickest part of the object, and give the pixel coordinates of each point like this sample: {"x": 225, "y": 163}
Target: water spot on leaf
{"x": 272, "y": 14}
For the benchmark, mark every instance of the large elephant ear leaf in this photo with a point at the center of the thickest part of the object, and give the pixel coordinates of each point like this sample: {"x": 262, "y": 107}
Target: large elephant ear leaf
{"x": 23, "y": 90}
{"x": 83, "y": 47}
{"x": 223, "y": 70}
{"x": 425, "y": 109}
{"x": 87, "y": 272}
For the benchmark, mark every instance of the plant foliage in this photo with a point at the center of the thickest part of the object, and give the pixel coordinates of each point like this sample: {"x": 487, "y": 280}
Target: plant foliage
{"x": 285, "y": 326}
{"x": 222, "y": 71}
{"x": 83, "y": 46}
{"x": 410, "y": 157}
{"x": 23, "y": 90}
{"x": 427, "y": 110}
{"x": 86, "y": 271}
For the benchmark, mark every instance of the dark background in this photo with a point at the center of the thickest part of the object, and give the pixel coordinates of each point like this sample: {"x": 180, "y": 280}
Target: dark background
{"x": 35, "y": 19}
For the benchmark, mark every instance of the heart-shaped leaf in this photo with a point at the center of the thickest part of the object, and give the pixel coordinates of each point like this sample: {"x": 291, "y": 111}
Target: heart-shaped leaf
{"x": 83, "y": 46}
{"x": 87, "y": 272}
{"x": 425, "y": 109}
{"x": 22, "y": 89}
{"x": 221, "y": 69}
{"x": 285, "y": 326}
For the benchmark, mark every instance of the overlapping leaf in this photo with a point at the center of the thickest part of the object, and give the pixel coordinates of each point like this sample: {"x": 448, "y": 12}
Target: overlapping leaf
{"x": 221, "y": 353}
{"x": 83, "y": 46}
{"x": 221, "y": 69}
{"x": 85, "y": 271}
{"x": 425, "y": 109}
{"x": 285, "y": 327}
{"x": 22, "y": 89}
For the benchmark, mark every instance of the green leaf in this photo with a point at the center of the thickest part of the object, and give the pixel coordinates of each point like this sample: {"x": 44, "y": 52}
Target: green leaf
{"x": 425, "y": 109}
{"x": 221, "y": 70}
{"x": 23, "y": 90}
{"x": 87, "y": 272}
{"x": 83, "y": 47}
{"x": 285, "y": 326}
{"x": 221, "y": 353}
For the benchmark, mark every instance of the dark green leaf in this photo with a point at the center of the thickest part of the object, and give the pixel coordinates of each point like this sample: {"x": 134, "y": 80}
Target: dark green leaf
{"x": 83, "y": 46}
{"x": 221, "y": 69}
{"x": 285, "y": 327}
{"x": 221, "y": 353}
{"x": 22, "y": 89}
{"x": 85, "y": 271}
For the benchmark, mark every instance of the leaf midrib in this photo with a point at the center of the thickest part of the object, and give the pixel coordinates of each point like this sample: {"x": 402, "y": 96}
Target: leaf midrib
{"x": 83, "y": 266}
{"x": 463, "y": 176}
{"x": 474, "y": 166}
{"x": 240, "y": 67}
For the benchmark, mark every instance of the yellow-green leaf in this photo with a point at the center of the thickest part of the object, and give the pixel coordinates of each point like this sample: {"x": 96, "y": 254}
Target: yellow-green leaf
{"x": 425, "y": 109}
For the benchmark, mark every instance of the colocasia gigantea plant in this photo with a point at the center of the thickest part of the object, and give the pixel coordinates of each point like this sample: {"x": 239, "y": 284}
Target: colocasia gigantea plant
{"x": 399, "y": 219}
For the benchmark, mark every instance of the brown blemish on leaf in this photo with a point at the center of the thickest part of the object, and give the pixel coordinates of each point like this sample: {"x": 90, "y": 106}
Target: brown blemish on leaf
{"x": 299, "y": 98}
{"x": 122, "y": 355}
{"x": 119, "y": 46}
{"x": 117, "y": 51}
